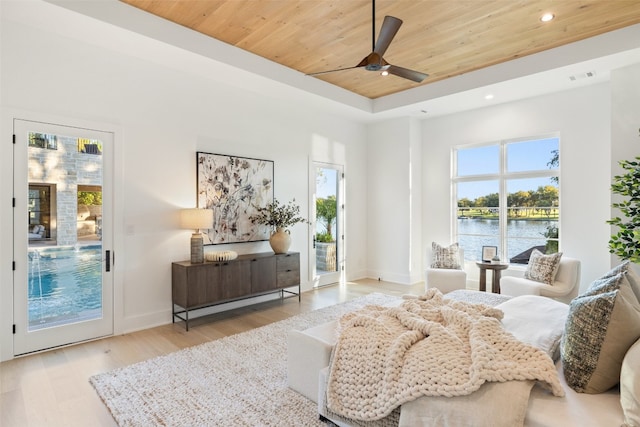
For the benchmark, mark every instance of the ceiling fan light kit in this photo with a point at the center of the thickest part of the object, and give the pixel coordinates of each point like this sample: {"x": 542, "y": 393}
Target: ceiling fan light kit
{"x": 375, "y": 61}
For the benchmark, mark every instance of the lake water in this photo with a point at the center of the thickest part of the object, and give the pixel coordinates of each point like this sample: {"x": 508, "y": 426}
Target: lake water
{"x": 474, "y": 233}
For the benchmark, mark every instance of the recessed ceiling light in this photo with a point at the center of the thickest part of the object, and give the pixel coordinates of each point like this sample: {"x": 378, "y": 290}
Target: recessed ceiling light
{"x": 547, "y": 17}
{"x": 488, "y": 96}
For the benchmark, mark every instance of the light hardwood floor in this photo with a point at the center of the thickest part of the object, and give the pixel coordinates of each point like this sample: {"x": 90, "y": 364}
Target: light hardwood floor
{"x": 52, "y": 388}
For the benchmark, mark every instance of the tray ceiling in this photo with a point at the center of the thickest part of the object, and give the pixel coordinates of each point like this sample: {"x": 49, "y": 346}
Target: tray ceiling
{"x": 443, "y": 38}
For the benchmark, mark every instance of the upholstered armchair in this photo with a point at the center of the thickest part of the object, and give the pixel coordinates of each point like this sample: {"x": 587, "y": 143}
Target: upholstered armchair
{"x": 564, "y": 288}
{"x": 446, "y": 279}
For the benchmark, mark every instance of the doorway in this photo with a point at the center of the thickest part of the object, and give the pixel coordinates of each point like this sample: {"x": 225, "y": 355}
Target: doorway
{"x": 63, "y": 281}
{"x": 327, "y": 224}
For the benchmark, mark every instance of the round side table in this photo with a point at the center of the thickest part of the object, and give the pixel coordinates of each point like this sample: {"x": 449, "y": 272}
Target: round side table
{"x": 496, "y": 269}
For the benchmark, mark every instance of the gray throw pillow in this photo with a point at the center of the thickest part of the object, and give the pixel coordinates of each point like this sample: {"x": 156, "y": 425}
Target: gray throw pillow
{"x": 603, "y": 323}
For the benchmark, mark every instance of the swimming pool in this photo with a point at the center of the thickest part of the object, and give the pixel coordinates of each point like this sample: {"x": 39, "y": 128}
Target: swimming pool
{"x": 65, "y": 285}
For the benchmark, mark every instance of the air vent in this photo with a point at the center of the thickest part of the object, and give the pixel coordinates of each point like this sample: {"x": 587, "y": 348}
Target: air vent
{"x": 581, "y": 76}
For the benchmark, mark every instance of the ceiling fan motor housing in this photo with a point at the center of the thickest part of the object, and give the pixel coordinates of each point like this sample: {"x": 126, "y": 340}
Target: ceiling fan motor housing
{"x": 374, "y": 62}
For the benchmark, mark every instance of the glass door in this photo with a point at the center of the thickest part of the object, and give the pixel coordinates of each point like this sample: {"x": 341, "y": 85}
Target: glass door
{"x": 63, "y": 290}
{"x": 328, "y": 237}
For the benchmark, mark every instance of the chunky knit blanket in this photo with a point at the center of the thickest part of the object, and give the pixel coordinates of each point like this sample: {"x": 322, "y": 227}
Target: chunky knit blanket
{"x": 429, "y": 346}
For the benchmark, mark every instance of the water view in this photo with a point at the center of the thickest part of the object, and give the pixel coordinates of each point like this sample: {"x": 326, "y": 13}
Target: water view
{"x": 474, "y": 233}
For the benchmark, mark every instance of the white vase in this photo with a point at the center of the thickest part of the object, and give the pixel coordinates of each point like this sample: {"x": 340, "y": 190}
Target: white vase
{"x": 280, "y": 241}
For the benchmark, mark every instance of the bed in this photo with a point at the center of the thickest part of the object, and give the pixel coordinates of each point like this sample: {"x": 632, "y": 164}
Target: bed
{"x": 532, "y": 319}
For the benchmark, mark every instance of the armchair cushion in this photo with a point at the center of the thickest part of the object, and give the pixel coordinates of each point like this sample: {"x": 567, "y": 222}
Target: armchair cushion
{"x": 603, "y": 324}
{"x": 445, "y": 257}
{"x": 543, "y": 268}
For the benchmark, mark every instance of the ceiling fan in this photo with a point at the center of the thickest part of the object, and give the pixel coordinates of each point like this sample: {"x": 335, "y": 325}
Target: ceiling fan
{"x": 374, "y": 61}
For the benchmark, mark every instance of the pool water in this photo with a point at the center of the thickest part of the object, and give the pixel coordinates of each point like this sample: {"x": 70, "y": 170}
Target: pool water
{"x": 65, "y": 285}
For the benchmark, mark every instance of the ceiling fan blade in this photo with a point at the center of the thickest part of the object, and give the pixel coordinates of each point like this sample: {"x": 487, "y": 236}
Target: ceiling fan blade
{"x": 333, "y": 71}
{"x": 405, "y": 73}
{"x": 390, "y": 27}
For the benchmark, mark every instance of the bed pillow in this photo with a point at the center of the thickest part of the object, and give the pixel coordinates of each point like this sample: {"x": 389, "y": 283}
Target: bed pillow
{"x": 603, "y": 323}
{"x": 543, "y": 268}
{"x": 445, "y": 257}
{"x": 630, "y": 386}
{"x": 632, "y": 277}
{"x": 536, "y": 320}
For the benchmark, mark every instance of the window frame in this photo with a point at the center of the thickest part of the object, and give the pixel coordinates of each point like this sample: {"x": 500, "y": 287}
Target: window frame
{"x": 502, "y": 176}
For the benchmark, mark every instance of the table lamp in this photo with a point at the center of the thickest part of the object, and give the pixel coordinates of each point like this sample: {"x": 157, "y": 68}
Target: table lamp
{"x": 196, "y": 219}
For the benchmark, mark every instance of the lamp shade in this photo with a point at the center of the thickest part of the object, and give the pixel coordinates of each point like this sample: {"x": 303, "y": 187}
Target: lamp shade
{"x": 195, "y": 218}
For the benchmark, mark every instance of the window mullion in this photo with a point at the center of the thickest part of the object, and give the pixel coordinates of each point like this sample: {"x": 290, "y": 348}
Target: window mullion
{"x": 503, "y": 201}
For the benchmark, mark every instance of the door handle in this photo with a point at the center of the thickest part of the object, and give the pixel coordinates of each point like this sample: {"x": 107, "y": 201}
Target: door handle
{"x": 108, "y": 260}
{"x": 314, "y": 241}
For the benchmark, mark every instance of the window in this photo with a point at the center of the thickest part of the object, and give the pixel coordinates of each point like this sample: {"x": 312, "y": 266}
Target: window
{"x": 507, "y": 195}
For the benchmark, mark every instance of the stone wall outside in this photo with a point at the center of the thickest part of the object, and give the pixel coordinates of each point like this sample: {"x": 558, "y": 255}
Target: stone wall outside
{"x": 326, "y": 256}
{"x": 67, "y": 168}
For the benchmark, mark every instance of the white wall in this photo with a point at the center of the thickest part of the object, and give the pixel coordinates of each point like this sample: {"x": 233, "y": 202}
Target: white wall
{"x": 394, "y": 163}
{"x": 163, "y": 114}
{"x": 625, "y": 125}
{"x": 388, "y": 215}
{"x": 581, "y": 116}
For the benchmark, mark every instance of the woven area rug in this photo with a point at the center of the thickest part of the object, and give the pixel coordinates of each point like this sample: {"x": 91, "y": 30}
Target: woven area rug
{"x": 240, "y": 380}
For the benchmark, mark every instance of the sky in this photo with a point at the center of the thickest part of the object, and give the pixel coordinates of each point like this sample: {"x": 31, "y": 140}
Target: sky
{"x": 326, "y": 186}
{"x": 521, "y": 156}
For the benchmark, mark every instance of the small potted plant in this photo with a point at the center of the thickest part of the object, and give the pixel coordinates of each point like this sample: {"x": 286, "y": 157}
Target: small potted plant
{"x": 279, "y": 217}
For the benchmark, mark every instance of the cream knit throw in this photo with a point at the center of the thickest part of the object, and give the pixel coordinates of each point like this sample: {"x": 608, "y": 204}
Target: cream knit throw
{"x": 425, "y": 347}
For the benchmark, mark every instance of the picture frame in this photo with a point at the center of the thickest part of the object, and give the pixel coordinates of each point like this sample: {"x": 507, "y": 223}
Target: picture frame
{"x": 233, "y": 186}
{"x": 488, "y": 252}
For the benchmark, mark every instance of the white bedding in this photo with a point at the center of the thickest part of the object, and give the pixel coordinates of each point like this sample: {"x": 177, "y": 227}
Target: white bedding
{"x": 536, "y": 320}
{"x": 542, "y": 319}
{"x": 575, "y": 409}
{"x": 430, "y": 347}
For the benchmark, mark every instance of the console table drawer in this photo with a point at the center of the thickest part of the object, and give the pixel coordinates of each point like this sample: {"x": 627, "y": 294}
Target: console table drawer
{"x": 288, "y": 269}
{"x": 288, "y": 278}
{"x": 289, "y": 261}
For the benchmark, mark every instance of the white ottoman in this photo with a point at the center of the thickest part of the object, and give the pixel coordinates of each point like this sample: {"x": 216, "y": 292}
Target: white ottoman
{"x": 308, "y": 352}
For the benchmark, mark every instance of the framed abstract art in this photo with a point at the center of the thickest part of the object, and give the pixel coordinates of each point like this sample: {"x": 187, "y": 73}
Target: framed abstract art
{"x": 233, "y": 186}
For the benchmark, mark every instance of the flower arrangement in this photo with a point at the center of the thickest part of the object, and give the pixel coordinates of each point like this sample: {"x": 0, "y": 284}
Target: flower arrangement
{"x": 278, "y": 215}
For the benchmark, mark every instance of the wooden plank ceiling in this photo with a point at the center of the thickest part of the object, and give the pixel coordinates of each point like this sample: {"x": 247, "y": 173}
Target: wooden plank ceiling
{"x": 443, "y": 38}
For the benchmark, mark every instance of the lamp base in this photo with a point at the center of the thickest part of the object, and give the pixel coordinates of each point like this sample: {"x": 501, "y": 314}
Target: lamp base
{"x": 197, "y": 248}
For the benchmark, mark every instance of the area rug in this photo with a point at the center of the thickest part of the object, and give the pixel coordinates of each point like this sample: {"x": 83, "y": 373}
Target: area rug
{"x": 240, "y": 380}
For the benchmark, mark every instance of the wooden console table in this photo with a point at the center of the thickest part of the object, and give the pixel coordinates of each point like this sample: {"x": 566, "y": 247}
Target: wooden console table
{"x": 496, "y": 269}
{"x": 196, "y": 286}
